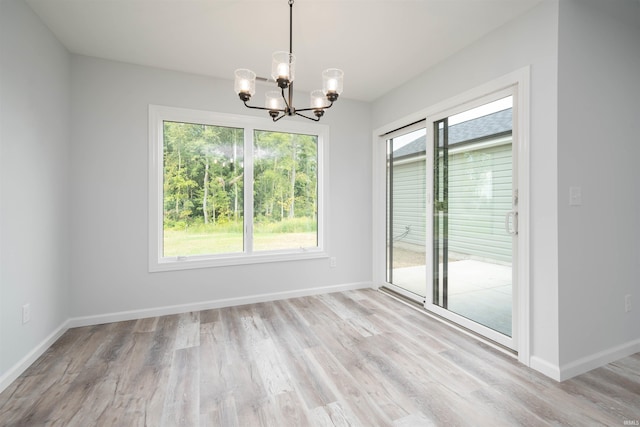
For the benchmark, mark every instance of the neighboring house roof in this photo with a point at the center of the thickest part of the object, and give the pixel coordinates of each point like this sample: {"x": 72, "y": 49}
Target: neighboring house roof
{"x": 483, "y": 127}
{"x": 414, "y": 147}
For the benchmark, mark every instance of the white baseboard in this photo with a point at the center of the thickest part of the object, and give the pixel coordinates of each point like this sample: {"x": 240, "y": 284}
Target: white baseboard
{"x": 16, "y": 370}
{"x": 544, "y": 367}
{"x": 207, "y": 305}
{"x": 584, "y": 364}
{"x": 596, "y": 360}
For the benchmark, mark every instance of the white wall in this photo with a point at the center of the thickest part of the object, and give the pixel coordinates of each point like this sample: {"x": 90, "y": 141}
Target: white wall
{"x": 34, "y": 151}
{"x": 109, "y": 242}
{"x": 599, "y": 150}
{"x": 580, "y": 268}
{"x": 528, "y": 40}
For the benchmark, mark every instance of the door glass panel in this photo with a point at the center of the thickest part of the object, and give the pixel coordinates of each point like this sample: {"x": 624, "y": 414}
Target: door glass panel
{"x": 406, "y": 211}
{"x": 473, "y": 196}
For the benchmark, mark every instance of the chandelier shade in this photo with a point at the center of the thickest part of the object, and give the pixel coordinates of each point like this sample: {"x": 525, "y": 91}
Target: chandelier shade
{"x": 245, "y": 83}
{"x": 274, "y": 100}
{"x": 332, "y": 82}
{"x": 283, "y": 67}
{"x": 318, "y": 99}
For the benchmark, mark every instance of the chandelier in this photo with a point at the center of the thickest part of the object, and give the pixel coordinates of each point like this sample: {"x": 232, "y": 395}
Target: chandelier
{"x": 279, "y": 104}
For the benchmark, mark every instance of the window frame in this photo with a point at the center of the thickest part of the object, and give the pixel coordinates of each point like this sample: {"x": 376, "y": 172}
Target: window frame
{"x": 157, "y": 116}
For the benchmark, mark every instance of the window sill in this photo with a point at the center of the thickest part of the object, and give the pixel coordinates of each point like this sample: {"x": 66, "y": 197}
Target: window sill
{"x": 193, "y": 262}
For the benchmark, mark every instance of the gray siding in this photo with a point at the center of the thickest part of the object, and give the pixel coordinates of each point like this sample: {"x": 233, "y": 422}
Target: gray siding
{"x": 409, "y": 202}
{"x": 480, "y": 186}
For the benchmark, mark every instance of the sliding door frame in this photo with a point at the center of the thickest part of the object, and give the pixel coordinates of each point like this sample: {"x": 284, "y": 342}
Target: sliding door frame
{"x": 433, "y": 304}
{"x": 520, "y": 81}
{"x": 389, "y": 210}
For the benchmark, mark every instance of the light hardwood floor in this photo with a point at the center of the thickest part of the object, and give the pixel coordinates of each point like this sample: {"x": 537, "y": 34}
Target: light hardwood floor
{"x": 343, "y": 359}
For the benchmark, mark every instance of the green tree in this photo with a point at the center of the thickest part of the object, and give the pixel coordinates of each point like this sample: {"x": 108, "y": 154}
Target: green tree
{"x": 202, "y": 173}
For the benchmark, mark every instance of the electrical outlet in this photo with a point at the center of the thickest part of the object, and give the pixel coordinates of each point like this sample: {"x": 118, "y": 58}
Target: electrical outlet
{"x": 575, "y": 196}
{"x": 627, "y": 303}
{"x": 26, "y": 313}
{"x": 332, "y": 262}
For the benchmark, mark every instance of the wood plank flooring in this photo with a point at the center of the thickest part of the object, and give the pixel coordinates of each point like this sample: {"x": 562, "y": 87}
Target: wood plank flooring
{"x": 356, "y": 358}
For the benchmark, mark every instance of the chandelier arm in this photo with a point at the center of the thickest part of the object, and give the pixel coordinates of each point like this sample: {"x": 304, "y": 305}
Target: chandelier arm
{"x": 263, "y": 108}
{"x": 313, "y": 109}
{"x": 317, "y": 119}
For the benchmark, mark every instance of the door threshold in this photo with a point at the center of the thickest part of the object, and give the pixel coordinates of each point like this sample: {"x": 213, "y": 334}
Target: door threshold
{"x": 417, "y": 306}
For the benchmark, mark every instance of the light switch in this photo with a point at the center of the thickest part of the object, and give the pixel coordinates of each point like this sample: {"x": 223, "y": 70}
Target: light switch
{"x": 575, "y": 196}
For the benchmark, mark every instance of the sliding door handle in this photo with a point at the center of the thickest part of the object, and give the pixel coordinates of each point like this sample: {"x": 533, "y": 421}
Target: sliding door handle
{"x": 511, "y": 223}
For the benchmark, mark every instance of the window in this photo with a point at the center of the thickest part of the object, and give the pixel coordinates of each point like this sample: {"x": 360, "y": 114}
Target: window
{"x": 227, "y": 190}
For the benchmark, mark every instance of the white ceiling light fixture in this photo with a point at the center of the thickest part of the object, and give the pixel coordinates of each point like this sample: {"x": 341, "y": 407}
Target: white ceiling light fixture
{"x": 279, "y": 104}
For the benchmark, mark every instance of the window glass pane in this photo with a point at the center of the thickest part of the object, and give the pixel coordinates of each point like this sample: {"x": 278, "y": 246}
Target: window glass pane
{"x": 202, "y": 189}
{"x": 406, "y": 211}
{"x": 285, "y": 191}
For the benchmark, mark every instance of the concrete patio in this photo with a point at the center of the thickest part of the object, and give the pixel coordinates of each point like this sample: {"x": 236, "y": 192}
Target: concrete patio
{"x": 478, "y": 290}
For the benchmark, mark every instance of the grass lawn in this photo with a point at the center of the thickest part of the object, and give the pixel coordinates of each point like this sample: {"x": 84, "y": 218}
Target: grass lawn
{"x": 185, "y": 243}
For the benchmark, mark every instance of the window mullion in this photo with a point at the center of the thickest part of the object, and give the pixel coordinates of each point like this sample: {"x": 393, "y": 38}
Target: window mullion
{"x": 248, "y": 189}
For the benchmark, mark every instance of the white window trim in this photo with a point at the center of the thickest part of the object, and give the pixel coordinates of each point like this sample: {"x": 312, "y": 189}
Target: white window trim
{"x": 157, "y": 115}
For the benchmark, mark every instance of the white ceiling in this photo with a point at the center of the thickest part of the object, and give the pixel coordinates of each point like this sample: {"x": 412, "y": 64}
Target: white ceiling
{"x": 379, "y": 44}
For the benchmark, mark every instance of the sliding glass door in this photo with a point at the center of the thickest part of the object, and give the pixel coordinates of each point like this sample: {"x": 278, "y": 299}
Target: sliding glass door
{"x": 474, "y": 218}
{"x": 451, "y": 215}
